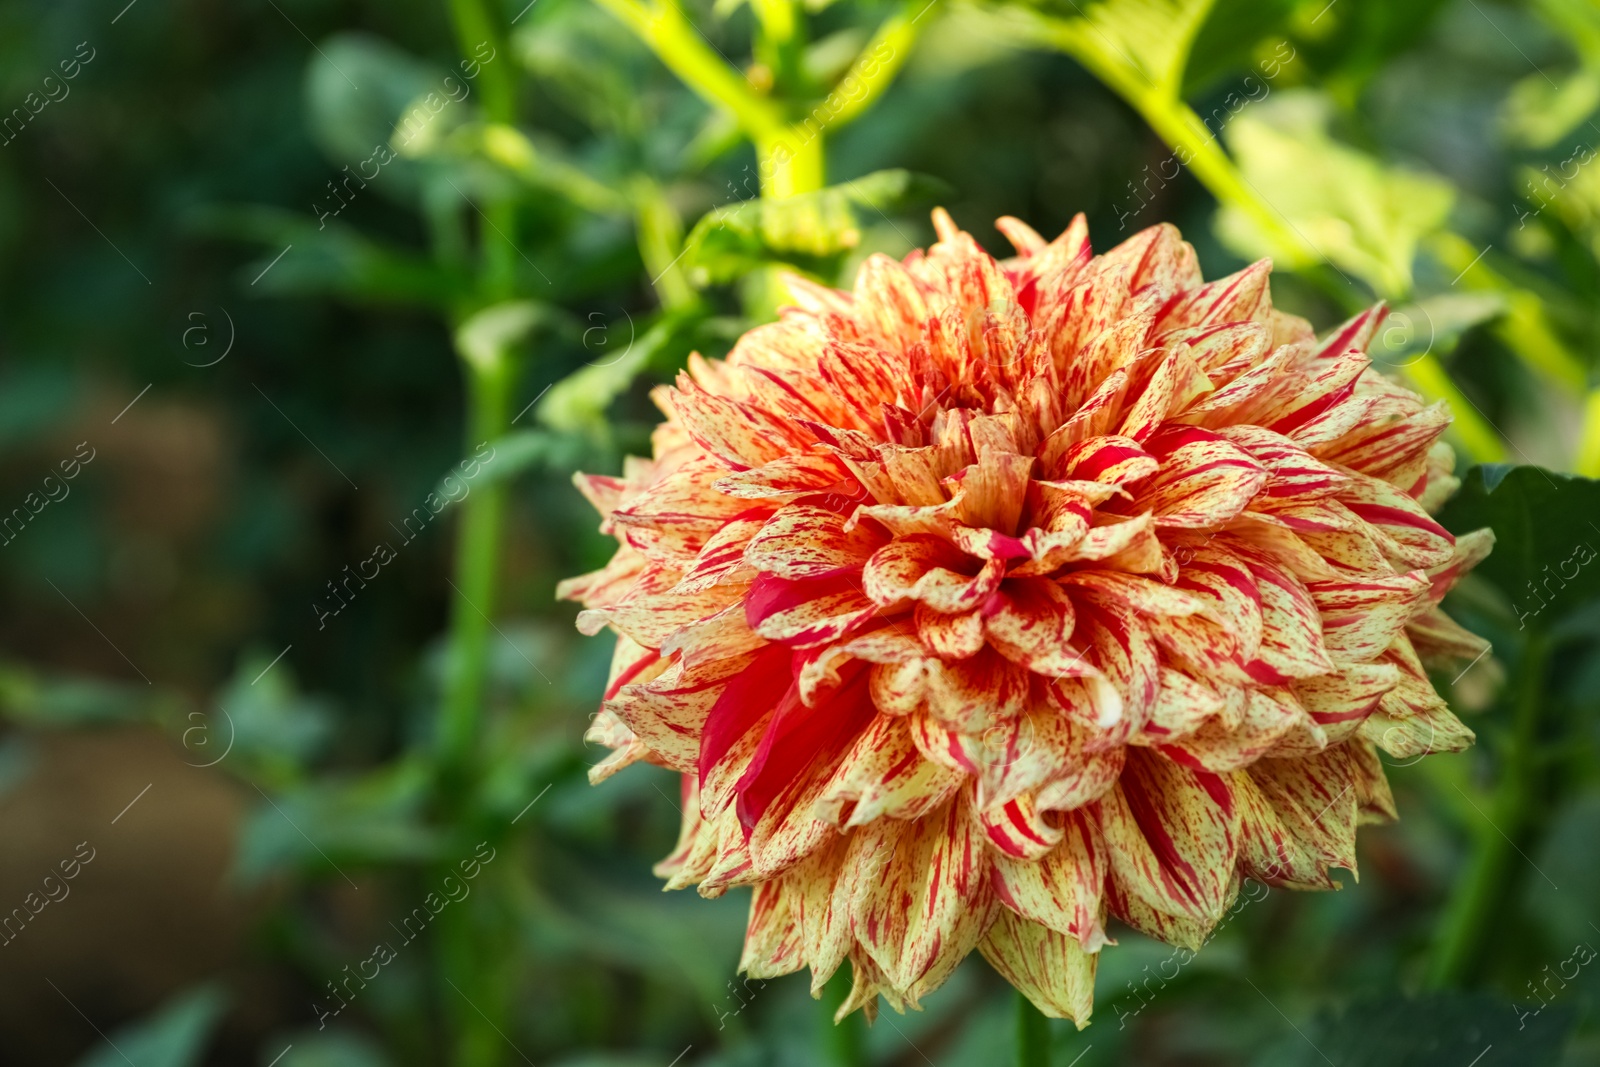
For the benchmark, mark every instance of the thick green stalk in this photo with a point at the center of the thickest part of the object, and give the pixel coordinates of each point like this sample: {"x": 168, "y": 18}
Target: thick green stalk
{"x": 472, "y": 957}
{"x": 1478, "y": 899}
{"x": 469, "y": 957}
{"x": 477, "y": 569}
{"x": 477, "y": 29}
{"x": 1033, "y": 1035}
{"x": 845, "y": 1039}
{"x": 792, "y": 162}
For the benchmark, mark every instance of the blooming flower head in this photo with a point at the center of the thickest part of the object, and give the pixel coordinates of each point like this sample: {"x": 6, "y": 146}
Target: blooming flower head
{"x": 992, "y": 598}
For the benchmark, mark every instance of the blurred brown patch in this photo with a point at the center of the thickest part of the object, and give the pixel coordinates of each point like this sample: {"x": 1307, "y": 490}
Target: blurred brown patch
{"x": 149, "y": 915}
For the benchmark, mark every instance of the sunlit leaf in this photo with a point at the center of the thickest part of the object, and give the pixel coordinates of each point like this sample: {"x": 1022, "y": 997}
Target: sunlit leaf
{"x": 1538, "y": 113}
{"x": 1134, "y": 45}
{"x": 809, "y": 231}
{"x": 1358, "y": 214}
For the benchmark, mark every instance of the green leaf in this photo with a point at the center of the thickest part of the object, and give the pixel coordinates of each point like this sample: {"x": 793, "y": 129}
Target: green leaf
{"x": 1578, "y": 23}
{"x": 487, "y": 338}
{"x": 1435, "y": 325}
{"x": 331, "y": 259}
{"x": 1355, "y": 212}
{"x": 357, "y": 89}
{"x": 1546, "y": 537}
{"x": 327, "y": 826}
{"x": 1350, "y": 42}
{"x": 811, "y": 231}
{"x": 507, "y": 457}
{"x": 175, "y": 1036}
{"x": 1228, "y": 38}
{"x": 1435, "y": 1030}
{"x": 1135, "y": 45}
{"x": 30, "y": 698}
{"x": 578, "y": 403}
{"x": 260, "y": 720}
{"x": 576, "y": 53}
{"x": 1538, "y": 114}
{"x": 334, "y": 1048}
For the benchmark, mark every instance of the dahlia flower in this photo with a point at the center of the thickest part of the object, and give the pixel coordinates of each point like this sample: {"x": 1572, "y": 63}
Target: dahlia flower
{"x": 994, "y": 598}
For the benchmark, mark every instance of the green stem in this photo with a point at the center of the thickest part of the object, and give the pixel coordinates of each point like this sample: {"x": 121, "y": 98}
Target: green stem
{"x": 477, "y": 569}
{"x": 846, "y": 1039}
{"x": 792, "y": 162}
{"x": 1477, "y": 902}
{"x": 476, "y": 29}
{"x": 660, "y": 230}
{"x": 1480, "y": 440}
{"x": 472, "y": 958}
{"x": 1587, "y": 461}
{"x": 1177, "y": 124}
{"x": 779, "y": 45}
{"x": 669, "y": 34}
{"x": 875, "y": 68}
{"x": 1033, "y": 1035}
{"x": 469, "y": 958}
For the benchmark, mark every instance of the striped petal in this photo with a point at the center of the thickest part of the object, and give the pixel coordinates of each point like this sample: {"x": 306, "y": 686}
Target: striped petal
{"x": 1051, "y": 969}
{"x": 1165, "y": 828}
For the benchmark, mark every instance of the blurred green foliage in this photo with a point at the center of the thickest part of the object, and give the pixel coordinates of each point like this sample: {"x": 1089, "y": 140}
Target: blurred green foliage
{"x": 344, "y": 247}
